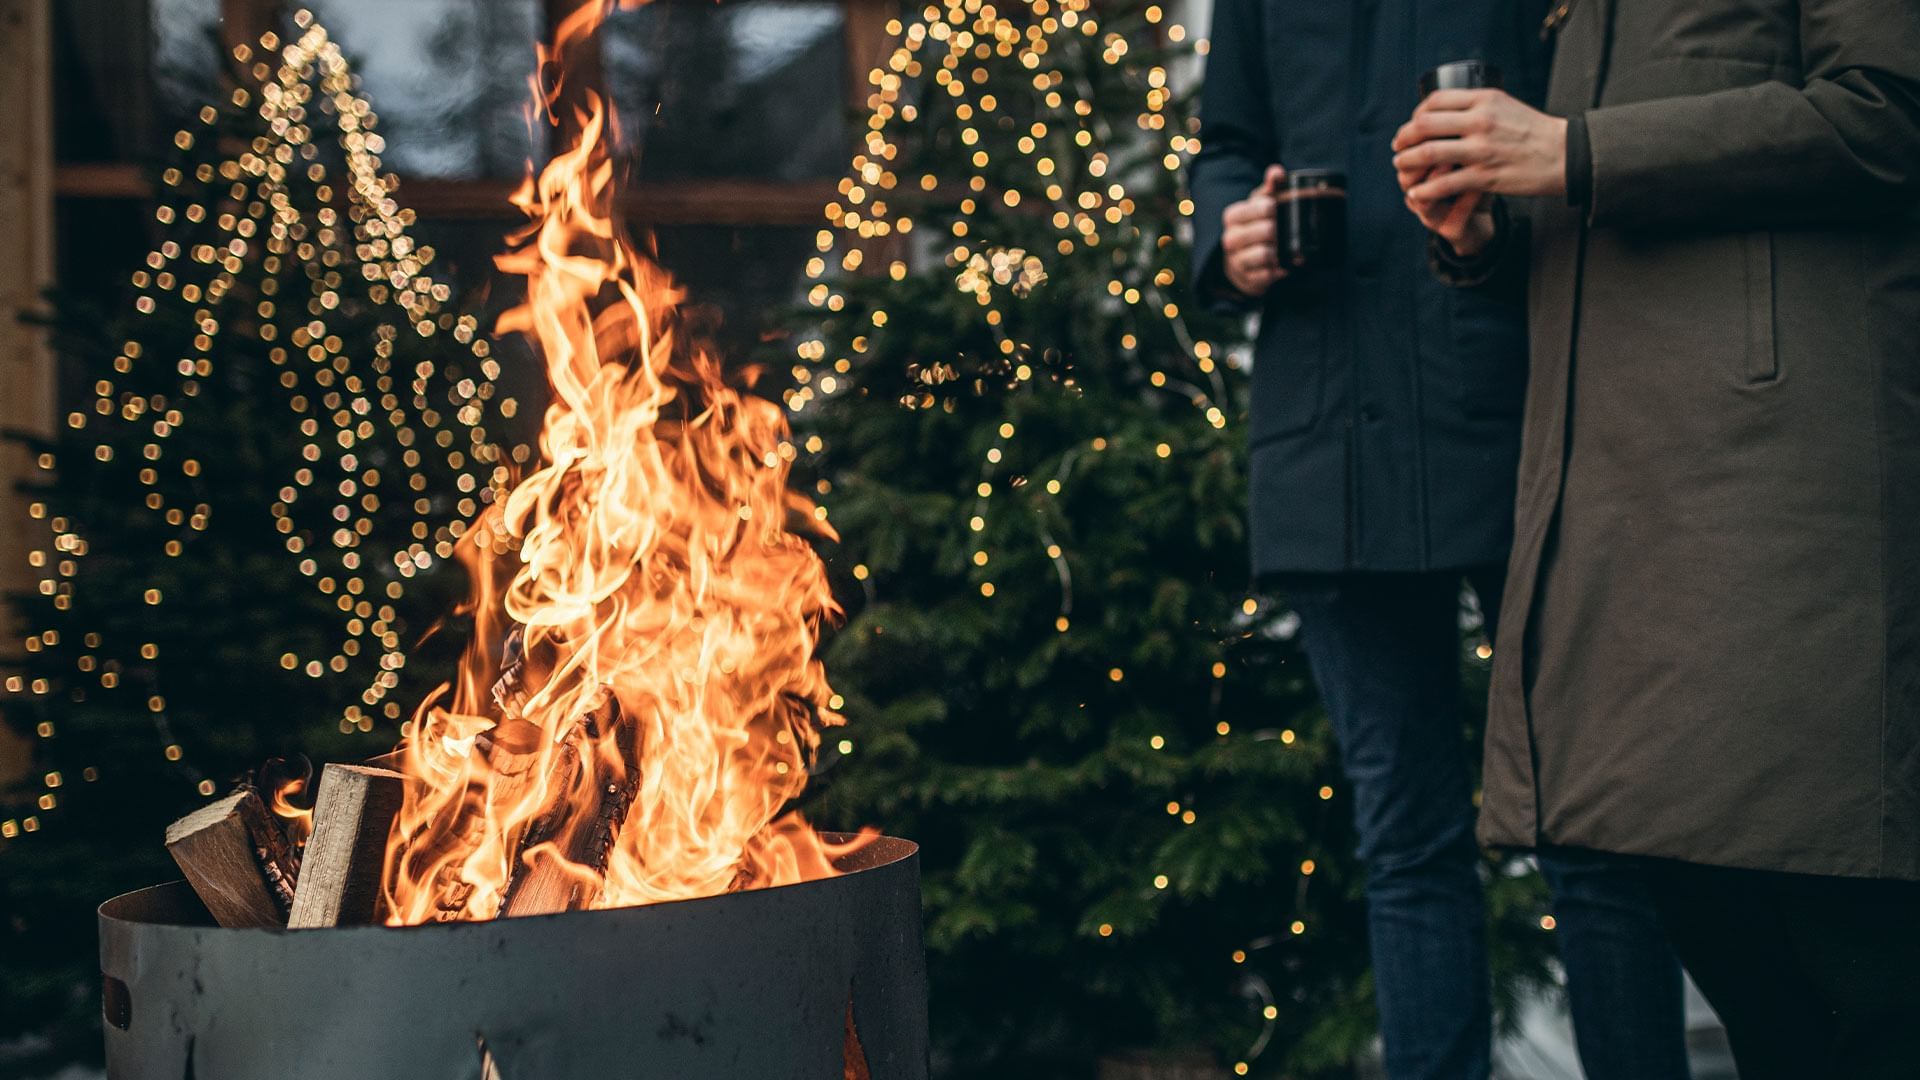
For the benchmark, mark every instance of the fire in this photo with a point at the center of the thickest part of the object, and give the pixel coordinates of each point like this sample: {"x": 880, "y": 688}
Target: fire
{"x": 280, "y": 781}
{"x": 298, "y": 819}
{"x": 641, "y": 698}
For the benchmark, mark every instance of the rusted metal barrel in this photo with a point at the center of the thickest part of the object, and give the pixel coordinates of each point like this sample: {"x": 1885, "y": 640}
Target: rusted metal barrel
{"x": 815, "y": 981}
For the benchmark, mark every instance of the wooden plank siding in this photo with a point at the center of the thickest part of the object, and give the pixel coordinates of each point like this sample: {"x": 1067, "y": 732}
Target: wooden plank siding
{"x": 26, "y": 270}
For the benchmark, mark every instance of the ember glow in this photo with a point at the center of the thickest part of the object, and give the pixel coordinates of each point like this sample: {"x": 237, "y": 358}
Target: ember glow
{"x": 641, "y": 699}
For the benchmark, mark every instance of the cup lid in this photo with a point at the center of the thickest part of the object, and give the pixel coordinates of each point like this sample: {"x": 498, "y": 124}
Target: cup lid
{"x": 1460, "y": 75}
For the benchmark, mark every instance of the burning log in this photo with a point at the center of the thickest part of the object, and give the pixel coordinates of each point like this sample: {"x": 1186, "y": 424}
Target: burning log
{"x": 238, "y": 860}
{"x": 546, "y": 875}
{"x": 341, "y": 869}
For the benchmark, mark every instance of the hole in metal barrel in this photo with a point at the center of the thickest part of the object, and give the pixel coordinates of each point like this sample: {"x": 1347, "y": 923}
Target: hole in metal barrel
{"x": 855, "y": 1054}
{"x": 488, "y": 1069}
{"x": 116, "y": 1002}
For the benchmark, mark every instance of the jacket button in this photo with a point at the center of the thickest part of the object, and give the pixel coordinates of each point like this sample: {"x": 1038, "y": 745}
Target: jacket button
{"x": 1368, "y": 415}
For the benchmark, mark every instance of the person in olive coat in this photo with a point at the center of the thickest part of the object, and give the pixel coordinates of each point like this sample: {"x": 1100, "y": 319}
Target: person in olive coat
{"x": 1716, "y": 581}
{"x": 1385, "y": 430}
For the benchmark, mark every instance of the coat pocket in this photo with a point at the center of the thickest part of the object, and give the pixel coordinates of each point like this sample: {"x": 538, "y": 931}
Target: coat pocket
{"x": 1762, "y": 355}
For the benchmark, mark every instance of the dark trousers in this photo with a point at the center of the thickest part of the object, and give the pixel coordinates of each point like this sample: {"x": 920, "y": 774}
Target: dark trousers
{"x": 1815, "y": 978}
{"x": 1385, "y": 653}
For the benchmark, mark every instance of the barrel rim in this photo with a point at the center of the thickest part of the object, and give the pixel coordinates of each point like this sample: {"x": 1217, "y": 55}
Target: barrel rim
{"x": 877, "y": 855}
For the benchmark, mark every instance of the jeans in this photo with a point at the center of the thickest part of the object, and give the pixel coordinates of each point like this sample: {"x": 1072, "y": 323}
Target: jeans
{"x": 1385, "y": 653}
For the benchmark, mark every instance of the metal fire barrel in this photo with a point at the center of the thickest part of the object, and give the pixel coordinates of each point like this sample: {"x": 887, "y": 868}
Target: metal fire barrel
{"x": 788, "y": 983}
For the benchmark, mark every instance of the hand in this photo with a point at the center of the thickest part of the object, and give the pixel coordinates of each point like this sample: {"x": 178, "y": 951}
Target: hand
{"x": 1462, "y": 142}
{"x": 1466, "y": 222}
{"x": 1250, "y": 242}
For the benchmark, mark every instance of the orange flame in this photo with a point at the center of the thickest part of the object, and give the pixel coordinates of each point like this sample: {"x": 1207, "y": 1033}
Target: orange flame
{"x": 641, "y": 698}
{"x": 297, "y": 820}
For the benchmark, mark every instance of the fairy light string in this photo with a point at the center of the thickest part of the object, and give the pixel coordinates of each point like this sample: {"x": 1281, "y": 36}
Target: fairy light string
{"x": 264, "y": 237}
{"x": 1041, "y": 185}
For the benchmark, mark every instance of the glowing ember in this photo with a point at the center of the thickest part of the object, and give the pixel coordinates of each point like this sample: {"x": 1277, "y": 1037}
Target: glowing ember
{"x": 641, "y": 698}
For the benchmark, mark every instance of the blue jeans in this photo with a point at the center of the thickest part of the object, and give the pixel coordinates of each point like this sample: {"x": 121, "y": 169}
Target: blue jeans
{"x": 1385, "y": 653}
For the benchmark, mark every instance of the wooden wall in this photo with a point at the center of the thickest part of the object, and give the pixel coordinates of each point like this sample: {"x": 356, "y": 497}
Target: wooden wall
{"x": 26, "y": 269}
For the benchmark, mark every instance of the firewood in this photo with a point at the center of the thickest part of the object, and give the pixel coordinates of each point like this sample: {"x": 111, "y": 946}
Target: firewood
{"x": 510, "y": 690}
{"x": 238, "y": 860}
{"x": 340, "y": 873}
{"x": 541, "y": 884}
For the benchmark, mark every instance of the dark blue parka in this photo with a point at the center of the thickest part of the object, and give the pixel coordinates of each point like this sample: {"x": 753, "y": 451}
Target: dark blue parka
{"x": 1386, "y": 405}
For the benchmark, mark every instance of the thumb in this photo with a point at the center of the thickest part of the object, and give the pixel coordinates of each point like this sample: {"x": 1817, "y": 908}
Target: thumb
{"x": 1271, "y": 183}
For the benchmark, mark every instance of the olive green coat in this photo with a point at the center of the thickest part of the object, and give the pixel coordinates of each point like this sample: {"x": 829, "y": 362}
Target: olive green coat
{"x": 1711, "y": 644}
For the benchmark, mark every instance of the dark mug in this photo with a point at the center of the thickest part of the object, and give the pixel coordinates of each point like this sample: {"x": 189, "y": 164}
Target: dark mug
{"x": 1311, "y": 220}
{"x": 1460, "y": 75}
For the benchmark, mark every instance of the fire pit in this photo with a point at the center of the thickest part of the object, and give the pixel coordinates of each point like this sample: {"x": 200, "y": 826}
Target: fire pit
{"x": 821, "y": 980}
{"x": 585, "y": 860}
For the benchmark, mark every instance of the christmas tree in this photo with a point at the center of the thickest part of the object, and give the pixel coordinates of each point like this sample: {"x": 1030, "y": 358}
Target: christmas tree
{"x": 1058, "y": 675}
{"x": 249, "y": 522}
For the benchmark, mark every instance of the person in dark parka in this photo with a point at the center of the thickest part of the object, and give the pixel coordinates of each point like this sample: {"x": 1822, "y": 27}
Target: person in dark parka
{"x": 1716, "y": 577}
{"x": 1385, "y": 431}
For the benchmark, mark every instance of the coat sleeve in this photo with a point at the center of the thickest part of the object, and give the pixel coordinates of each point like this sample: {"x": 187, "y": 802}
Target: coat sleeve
{"x": 1843, "y": 147}
{"x": 1501, "y": 270}
{"x": 1236, "y": 136}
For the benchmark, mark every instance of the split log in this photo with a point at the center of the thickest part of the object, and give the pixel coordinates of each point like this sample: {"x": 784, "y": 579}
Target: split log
{"x": 340, "y": 873}
{"x": 238, "y": 860}
{"x": 548, "y": 881}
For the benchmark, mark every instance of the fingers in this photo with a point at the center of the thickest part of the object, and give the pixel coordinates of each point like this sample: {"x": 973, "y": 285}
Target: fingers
{"x": 1431, "y": 215}
{"x": 1453, "y": 225}
{"x": 1457, "y": 100}
{"x": 1252, "y": 258}
{"x": 1409, "y": 178}
{"x": 1255, "y": 282}
{"x": 1441, "y": 153}
{"x": 1243, "y": 234}
{"x": 1255, "y": 258}
{"x": 1251, "y": 239}
{"x": 1447, "y": 185}
{"x": 1438, "y": 125}
{"x": 1257, "y": 208}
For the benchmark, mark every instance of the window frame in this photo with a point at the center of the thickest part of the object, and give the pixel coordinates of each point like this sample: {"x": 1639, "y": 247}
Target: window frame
{"x": 698, "y": 202}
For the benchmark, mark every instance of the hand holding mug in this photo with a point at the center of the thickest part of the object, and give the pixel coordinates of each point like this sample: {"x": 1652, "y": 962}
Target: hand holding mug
{"x": 1462, "y": 145}
{"x": 1250, "y": 242}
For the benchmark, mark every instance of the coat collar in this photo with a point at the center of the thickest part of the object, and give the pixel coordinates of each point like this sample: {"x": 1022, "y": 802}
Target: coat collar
{"x": 1603, "y": 12}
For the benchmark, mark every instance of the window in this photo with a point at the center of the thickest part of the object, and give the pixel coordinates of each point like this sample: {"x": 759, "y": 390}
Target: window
{"x": 738, "y": 91}
{"x": 448, "y": 79}
{"x": 732, "y": 120}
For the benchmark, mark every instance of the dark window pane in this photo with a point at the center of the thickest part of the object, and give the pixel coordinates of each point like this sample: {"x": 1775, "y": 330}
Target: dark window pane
{"x": 737, "y": 279}
{"x": 750, "y": 90}
{"x": 187, "y": 57}
{"x": 98, "y": 242}
{"x": 463, "y": 253}
{"x": 103, "y": 105}
{"x": 447, "y": 78}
